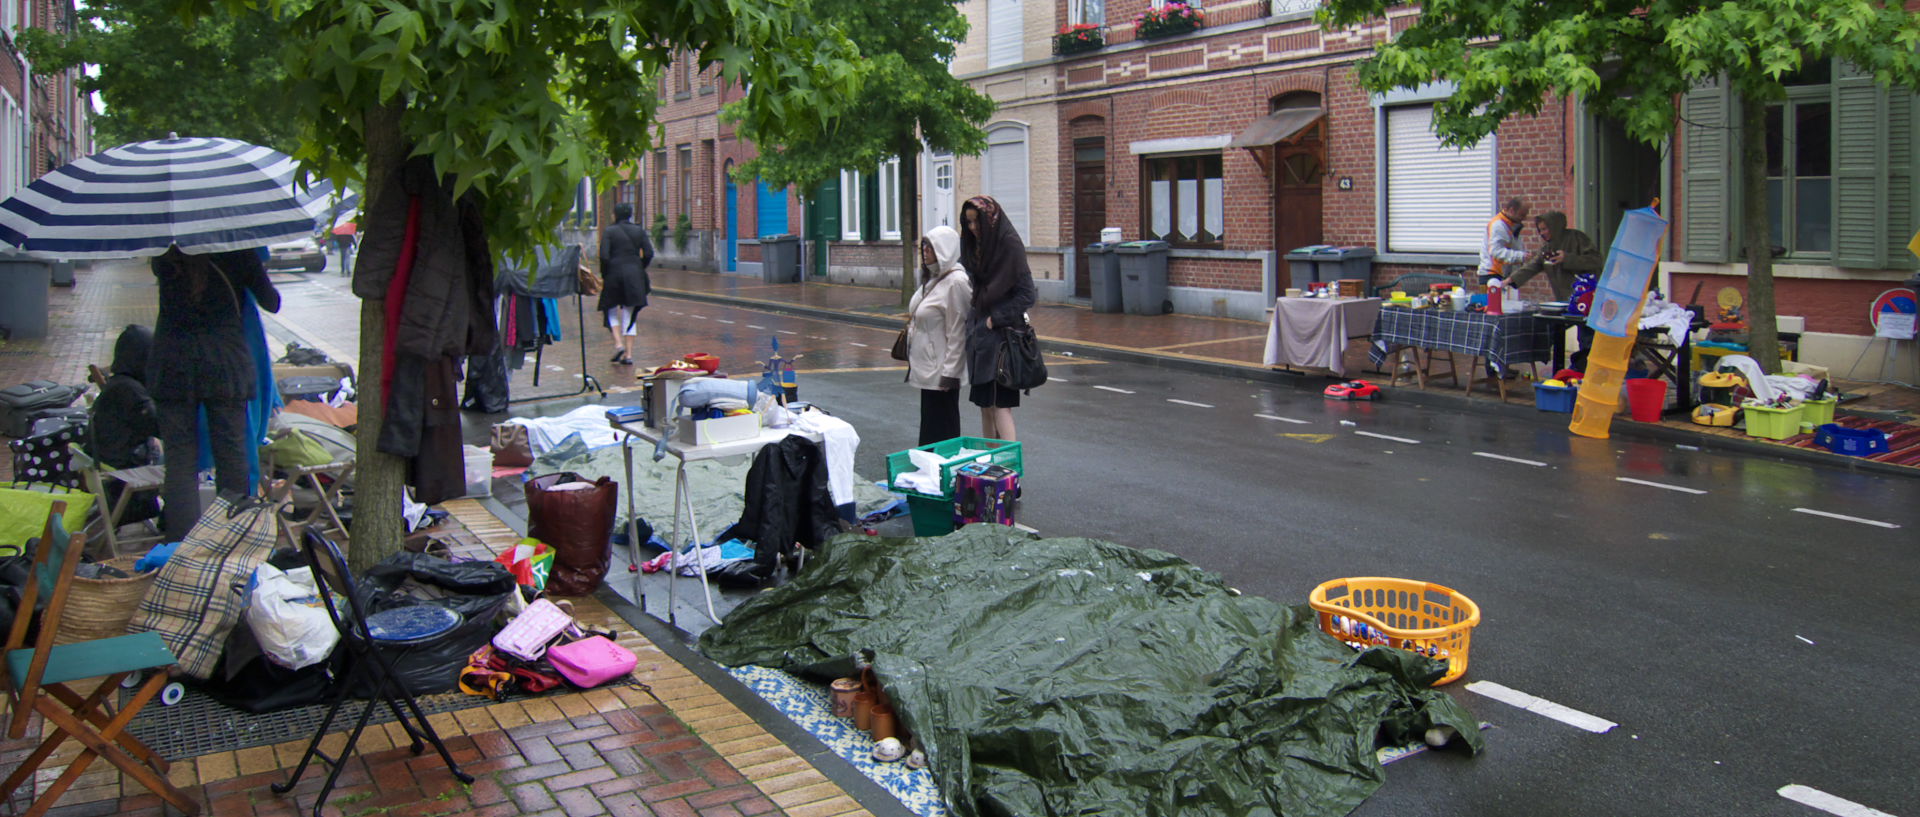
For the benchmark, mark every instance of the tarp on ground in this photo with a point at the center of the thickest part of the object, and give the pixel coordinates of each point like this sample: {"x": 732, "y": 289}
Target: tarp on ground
{"x": 1074, "y": 676}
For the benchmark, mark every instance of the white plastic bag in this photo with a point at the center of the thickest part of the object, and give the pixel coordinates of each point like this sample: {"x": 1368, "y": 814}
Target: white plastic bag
{"x": 289, "y": 619}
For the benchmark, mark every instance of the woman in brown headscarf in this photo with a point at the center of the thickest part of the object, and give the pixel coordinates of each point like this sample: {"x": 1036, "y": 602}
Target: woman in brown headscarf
{"x": 996, "y": 260}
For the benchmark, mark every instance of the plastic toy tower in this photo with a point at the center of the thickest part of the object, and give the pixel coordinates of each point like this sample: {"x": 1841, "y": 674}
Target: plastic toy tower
{"x": 1615, "y": 319}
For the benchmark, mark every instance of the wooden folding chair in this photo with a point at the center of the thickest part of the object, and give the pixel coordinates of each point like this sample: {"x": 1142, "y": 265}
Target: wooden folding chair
{"x": 37, "y": 679}
{"x": 135, "y": 480}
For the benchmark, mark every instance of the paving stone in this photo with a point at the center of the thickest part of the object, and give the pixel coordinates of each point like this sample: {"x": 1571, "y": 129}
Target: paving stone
{"x": 531, "y": 797}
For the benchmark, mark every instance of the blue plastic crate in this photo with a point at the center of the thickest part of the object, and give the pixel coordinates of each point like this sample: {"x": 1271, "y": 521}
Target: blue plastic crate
{"x": 1555, "y": 398}
{"x": 1853, "y": 442}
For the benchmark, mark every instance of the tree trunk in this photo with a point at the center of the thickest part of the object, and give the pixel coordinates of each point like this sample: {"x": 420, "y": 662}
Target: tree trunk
{"x": 379, "y": 478}
{"x": 1763, "y": 338}
{"x": 909, "y": 202}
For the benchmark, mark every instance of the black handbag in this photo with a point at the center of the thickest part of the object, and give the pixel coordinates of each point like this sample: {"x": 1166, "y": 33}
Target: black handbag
{"x": 899, "y": 351}
{"x": 1019, "y": 366}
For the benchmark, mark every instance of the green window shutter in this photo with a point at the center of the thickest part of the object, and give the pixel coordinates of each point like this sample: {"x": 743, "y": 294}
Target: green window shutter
{"x": 1706, "y": 183}
{"x": 1903, "y": 183}
{"x": 870, "y": 206}
{"x": 1860, "y": 184}
{"x": 824, "y": 211}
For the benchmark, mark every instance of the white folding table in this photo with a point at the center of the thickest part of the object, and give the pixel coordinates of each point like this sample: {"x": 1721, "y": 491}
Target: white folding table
{"x": 684, "y": 453}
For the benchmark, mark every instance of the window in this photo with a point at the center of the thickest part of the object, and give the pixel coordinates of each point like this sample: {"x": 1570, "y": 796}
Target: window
{"x": 890, "y": 200}
{"x": 686, "y": 180}
{"x": 660, "y": 183}
{"x": 9, "y": 16}
{"x": 13, "y": 156}
{"x": 1186, "y": 199}
{"x": 1800, "y": 164}
{"x": 583, "y": 204}
{"x": 850, "y": 205}
{"x": 1087, "y": 11}
{"x": 1004, "y": 32}
{"x": 1005, "y": 172}
{"x": 1437, "y": 198}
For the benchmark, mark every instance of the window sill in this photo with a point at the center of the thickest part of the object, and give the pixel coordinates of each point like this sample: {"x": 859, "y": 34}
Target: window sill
{"x": 682, "y": 95}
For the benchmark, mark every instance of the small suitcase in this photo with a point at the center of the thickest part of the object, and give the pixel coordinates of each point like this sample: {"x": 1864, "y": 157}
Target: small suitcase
{"x": 309, "y": 387}
{"x": 18, "y": 403}
{"x": 984, "y": 492}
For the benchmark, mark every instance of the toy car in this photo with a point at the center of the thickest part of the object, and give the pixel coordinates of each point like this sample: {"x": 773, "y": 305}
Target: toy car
{"x": 1353, "y": 390}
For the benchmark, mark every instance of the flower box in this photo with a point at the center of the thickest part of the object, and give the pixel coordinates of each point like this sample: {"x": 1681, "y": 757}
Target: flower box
{"x": 1168, "y": 20}
{"x": 1078, "y": 38}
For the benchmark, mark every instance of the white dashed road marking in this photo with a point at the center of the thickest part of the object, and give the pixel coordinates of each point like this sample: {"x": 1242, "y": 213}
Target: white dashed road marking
{"x": 755, "y": 326}
{"x": 723, "y": 320}
{"x": 1283, "y": 419}
{"x": 861, "y": 345}
{"x": 1387, "y": 437}
{"x": 786, "y": 331}
{"x": 1112, "y": 389}
{"x": 1660, "y": 485}
{"x": 1846, "y": 517}
{"x": 1503, "y": 458}
{"x": 1828, "y": 803}
{"x": 1541, "y": 706}
{"x": 1189, "y": 403}
{"x": 1051, "y": 379}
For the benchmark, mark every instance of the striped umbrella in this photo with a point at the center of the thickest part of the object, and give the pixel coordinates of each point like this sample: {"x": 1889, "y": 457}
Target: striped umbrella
{"x": 204, "y": 195}
{"x": 330, "y": 207}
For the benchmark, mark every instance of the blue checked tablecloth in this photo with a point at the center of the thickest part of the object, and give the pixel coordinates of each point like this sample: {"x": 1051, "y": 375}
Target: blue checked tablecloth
{"x": 1501, "y": 339}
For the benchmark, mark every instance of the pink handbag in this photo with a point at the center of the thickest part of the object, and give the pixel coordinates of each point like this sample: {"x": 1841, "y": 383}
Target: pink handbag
{"x": 527, "y": 636}
{"x": 592, "y": 661}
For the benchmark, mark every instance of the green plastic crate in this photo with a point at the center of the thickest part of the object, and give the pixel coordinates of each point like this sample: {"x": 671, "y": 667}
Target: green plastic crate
{"x": 932, "y": 515}
{"x": 997, "y": 452}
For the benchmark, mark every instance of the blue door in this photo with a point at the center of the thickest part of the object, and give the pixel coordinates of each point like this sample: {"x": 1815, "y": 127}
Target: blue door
{"x": 733, "y": 225}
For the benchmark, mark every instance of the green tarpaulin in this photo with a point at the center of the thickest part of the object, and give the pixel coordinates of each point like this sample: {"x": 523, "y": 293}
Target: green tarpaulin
{"x": 1080, "y": 677}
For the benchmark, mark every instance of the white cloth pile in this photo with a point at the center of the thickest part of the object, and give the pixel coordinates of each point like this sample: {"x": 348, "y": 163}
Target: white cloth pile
{"x": 589, "y": 421}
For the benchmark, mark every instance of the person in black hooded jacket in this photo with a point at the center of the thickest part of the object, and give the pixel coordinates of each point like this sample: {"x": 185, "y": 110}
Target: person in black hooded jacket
{"x": 121, "y": 429}
{"x": 996, "y": 261}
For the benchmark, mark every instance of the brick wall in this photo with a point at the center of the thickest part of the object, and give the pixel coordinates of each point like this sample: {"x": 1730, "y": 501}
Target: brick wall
{"x": 1829, "y": 305}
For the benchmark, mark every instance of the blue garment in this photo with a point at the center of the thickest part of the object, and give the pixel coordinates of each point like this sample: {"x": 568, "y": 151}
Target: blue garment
{"x": 156, "y": 557}
{"x": 550, "y": 307}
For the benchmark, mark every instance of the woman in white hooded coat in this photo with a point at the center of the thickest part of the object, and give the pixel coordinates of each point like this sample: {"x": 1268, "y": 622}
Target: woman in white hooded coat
{"x": 937, "y": 334}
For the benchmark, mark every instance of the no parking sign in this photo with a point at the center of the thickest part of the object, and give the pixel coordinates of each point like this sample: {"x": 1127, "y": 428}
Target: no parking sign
{"x": 1893, "y": 313}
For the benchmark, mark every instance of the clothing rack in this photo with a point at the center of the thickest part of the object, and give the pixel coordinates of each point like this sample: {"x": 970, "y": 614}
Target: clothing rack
{"x": 555, "y": 275}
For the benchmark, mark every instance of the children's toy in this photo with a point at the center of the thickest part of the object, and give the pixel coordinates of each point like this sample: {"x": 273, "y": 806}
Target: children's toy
{"x": 1715, "y": 414}
{"x": 984, "y": 492}
{"x": 1353, "y": 390}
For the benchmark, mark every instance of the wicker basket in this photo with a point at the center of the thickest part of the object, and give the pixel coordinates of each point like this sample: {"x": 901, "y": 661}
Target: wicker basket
{"x": 101, "y": 608}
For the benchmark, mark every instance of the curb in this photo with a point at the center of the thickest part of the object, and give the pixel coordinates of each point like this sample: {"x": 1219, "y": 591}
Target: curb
{"x": 1645, "y": 432}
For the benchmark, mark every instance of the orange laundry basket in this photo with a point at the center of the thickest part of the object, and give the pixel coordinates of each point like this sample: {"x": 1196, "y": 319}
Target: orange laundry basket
{"x": 1420, "y": 617}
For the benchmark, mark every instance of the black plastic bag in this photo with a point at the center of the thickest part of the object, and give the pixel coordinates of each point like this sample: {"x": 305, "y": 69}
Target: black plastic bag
{"x": 487, "y": 384}
{"x": 476, "y": 590}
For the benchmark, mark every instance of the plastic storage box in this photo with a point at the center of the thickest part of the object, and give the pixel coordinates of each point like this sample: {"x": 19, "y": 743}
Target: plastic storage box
{"x": 1555, "y": 398}
{"x": 997, "y": 452}
{"x": 478, "y": 470}
{"x": 1772, "y": 423}
{"x": 1818, "y": 412}
{"x": 1419, "y": 617}
{"x": 1853, "y": 442}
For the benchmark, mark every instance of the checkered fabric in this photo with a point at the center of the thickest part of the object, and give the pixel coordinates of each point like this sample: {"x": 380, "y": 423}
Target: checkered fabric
{"x": 192, "y": 604}
{"x": 1501, "y": 339}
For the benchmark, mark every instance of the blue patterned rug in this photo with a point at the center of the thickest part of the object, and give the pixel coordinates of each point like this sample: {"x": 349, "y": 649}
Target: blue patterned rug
{"x": 808, "y": 705}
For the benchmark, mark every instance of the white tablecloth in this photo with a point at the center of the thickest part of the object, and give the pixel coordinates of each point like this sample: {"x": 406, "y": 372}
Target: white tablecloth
{"x": 1314, "y": 331}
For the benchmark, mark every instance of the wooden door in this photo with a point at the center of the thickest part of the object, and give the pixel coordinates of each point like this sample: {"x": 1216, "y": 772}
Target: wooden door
{"x": 1089, "y": 206}
{"x": 1299, "y": 164}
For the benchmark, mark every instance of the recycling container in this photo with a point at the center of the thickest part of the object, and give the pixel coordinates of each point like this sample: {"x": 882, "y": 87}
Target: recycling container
{"x": 780, "y": 259}
{"x": 1143, "y": 277}
{"x": 1300, "y": 266}
{"x": 1103, "y": 270}
{"x": 24, "y": 283}
{"x": 1339, "y": 263}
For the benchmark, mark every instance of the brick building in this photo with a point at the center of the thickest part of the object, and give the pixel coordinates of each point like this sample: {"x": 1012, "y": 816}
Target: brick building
{"x": 43, "y": 119}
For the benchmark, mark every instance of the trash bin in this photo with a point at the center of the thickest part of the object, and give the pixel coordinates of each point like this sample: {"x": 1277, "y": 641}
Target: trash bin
{"x": 23, "y": 295}
{"x": 1338, "y": 263}
{"x": 1143, "y": 277}
{"x": 63, "y": 273}
{"x": 1103, "y": 268}
{"x": 1300, "y": 267}
{"x": 780, "y": 259}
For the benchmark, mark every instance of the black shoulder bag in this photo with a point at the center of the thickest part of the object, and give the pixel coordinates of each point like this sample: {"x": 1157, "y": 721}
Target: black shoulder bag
{"x": 1019, "y": 366}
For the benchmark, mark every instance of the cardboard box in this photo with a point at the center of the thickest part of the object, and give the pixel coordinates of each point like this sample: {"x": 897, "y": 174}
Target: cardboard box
{"x": 282, "y": 371}
{"x": 719, "y": 429}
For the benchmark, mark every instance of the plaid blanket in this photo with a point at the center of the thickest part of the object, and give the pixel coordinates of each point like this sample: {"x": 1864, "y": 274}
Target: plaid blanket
{"x": 1501, "y": 339}
{"x": 192, "y": 604}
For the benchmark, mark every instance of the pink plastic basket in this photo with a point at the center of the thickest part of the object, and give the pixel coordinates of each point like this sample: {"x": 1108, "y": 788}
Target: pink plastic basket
{"x": 592, "y": 661}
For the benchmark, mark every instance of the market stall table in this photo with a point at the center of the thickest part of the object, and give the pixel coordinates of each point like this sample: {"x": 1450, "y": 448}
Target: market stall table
{"x": 1314, "y": 331}
{"x": 685, "y": 452}
{"x": 1499, "y": 340}
{"x": 1654, "y": 350}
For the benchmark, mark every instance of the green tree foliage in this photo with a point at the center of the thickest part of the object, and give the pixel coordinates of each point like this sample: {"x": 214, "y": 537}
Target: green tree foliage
{"x": 160, "y": 73}
{"x": 1628, "y": 60}
{"x": 909, "y": 95}
{"x": 519, "y": 100}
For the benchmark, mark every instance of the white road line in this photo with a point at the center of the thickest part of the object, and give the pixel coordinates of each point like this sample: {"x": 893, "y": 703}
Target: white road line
{"x": 1189, "y": 403}
{"x": 1284, "y": 419}
{"x": 698, "y": 317}
{"x": 1112, "y": 389}
{"x": 1846, "y": 517}
{"x": 1388, "y": 437}
{"x": 861, "y": 345}
{"x": 755, "y": 326}
{"x": 1541, "y": 706}
{"x": 723, "y": 320}
{"x": 1660, "y": 485}
{"x": 817, "y": 337}
{"x": 1807, "y": 795}
{"x": 786, "y": 331}
{"x": 1504, "y": 458}
{"x": 1052, "y": 379}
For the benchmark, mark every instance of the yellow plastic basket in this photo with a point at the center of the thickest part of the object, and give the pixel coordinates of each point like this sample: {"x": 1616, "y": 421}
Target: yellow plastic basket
{"x": 1420, "y": 617}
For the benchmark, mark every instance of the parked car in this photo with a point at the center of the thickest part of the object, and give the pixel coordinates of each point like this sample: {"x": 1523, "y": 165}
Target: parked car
{"x": 301, "y": 253}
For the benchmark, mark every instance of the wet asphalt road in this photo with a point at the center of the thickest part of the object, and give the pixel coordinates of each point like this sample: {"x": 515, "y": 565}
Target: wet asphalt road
{"x": 1681, "y": 610}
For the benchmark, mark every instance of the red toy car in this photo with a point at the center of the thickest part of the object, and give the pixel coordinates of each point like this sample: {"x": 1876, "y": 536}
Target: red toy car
{"x": 1353, "y": 390}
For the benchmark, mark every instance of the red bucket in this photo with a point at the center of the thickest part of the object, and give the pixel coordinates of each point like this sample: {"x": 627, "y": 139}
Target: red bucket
{"x": 1647, "y": 396}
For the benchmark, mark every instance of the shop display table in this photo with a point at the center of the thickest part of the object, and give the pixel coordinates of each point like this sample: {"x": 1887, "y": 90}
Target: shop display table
{"x": 1313, "y": 332}
{"x": 1653, "y": 350}
{"x": 1499, "y": 341}
{"x": 684, "y": 453}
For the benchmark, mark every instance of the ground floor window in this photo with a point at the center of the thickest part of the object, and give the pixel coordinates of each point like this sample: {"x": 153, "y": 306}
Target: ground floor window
{"x": 1437, "y": 198}
{"x": 1185, "y": 199}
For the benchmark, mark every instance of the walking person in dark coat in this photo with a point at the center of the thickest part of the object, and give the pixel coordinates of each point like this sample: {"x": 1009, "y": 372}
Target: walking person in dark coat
{"x": 996, "y": 261}
{"x": 625, "y": 254}
{"x": 200, "y": 360}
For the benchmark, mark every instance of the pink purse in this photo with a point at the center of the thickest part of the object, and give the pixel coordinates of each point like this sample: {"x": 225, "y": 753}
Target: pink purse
{"x": 592, "y": 661}
{"x": 528, "y": 635}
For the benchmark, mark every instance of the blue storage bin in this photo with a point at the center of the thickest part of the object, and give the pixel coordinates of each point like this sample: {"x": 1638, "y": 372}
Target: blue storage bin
{"x": 1853, "y": 442}
{"x": 1555, "y": 398}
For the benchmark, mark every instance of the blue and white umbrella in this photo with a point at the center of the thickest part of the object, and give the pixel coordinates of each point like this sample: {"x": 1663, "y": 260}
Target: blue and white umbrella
{"x": 203, "y": 195}
{"x": 331, "y": 208}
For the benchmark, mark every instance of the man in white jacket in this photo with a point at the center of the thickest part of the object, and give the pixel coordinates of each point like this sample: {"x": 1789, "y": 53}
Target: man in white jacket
{"x": 937, "y": 334}
{"x": 1501, "y": 244}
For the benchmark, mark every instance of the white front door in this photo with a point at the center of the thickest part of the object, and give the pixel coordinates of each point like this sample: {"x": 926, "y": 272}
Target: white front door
{"x": 939, "y": 199}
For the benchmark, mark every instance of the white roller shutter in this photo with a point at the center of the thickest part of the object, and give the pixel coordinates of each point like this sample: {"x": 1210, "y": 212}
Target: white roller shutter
{"x": 1006, "y": 176}
{"x": 1438, "y": 198}
{"x": 1003, "y": 32}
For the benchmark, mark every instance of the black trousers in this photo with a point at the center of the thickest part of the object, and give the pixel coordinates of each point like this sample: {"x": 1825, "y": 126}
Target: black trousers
{"x": 939, "y": 415}
{"x": 179, "y": 431}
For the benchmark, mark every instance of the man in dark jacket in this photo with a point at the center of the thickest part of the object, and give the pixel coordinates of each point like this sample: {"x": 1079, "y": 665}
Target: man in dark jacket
{"x": 1566, "y": 253}
{"x": 625, "y": 254}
